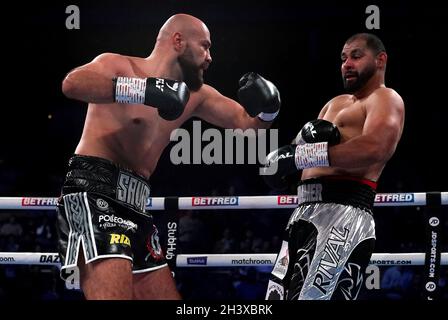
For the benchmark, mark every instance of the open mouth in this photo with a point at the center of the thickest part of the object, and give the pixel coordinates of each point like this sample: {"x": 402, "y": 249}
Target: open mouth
{"x": 350, "y": 76}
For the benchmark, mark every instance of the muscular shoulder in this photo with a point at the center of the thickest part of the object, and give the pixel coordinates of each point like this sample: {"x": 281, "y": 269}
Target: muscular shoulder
{"x": 386, "y": 96}
{"x": 340, "y": 99}
{"x": 114, "y": 60}
{"x": 110, "y": 57}
{"x": 206, "y": 92}
{"x": 197, "y": 98}
{"x": 335, "y": 104}
{"x": 388, "y": 93}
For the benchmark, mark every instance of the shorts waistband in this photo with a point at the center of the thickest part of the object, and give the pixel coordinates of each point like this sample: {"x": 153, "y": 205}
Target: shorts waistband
{"x": 338, "y": 189}
{"x": 99, "y": 175}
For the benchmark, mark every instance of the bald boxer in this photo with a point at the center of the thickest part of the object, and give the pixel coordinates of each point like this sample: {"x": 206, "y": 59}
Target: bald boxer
{"x": 133, "y": 106}
{"x": 330, "y": 237}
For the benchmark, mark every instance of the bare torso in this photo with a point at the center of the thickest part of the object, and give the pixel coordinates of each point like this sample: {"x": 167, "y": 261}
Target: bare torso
{"x": 349, "y": 115}
{"x": 133, "y": 136}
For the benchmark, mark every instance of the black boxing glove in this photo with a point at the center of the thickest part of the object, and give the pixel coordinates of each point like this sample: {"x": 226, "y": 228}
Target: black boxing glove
{"x": 292, "y": 158}
{"x": 279, "y": 166}
{"x": 318, "y": 130}
{"x": 312, "y": 142}
{"x": 309, "y": 150}
{"x": 168, "y": 96}
{"x": 259, "y": 96}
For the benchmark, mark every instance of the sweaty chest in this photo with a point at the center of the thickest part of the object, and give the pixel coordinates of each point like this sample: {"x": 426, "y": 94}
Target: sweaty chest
{"x": 348, "y": 117}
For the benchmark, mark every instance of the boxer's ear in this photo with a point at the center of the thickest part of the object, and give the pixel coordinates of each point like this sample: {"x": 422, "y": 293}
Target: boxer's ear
{"x": 178, "y": 42}
{"x": 381, "y": 60}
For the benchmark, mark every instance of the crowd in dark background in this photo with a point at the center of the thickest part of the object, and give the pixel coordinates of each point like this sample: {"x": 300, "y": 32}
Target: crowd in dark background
{"x": 297, "y": 46}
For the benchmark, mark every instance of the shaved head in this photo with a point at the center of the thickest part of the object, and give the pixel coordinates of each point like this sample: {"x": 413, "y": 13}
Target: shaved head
{"x": 184, "y": 40}
{"x": 184, "y": 24}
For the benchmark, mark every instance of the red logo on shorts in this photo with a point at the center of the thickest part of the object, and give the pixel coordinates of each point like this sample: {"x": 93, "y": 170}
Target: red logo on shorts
{"x": 153, "y": 246}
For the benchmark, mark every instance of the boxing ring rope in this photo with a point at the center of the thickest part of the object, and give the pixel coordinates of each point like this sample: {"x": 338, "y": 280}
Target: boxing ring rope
{"x": 228, "y": 202}
{"x": 220, "y": 260}
{"x": 234, "y": 202}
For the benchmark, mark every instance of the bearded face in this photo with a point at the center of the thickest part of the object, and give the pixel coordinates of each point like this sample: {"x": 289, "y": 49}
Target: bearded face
{"x": 191, "y": 71}
{"x": 354, "y": 80}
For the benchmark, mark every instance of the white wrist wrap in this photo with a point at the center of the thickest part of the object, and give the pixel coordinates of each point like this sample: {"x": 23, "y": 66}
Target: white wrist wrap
{"x": 311, "y": 155}
{"x": 268, "y": 116}
{"x": 130, "y": 90}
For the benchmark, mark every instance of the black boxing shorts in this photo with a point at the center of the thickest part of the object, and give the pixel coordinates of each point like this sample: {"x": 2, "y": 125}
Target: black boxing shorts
{"x": 328, "y": 241}
{"x": 102, "y": 207}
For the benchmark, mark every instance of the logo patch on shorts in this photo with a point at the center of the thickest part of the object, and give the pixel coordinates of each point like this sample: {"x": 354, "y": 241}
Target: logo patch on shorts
{"x": 275, "y": 291}
{"x": 102, "y": 204}
{"x": 153, "y": 246}
{"x": 111, "y": 221}
{"x": 281, "y": 265}
{"x": 120, "y": 239}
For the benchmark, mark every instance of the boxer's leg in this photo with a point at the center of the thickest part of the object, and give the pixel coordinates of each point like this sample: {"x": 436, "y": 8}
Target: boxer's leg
{"x": 305, "y": 239}
{"x": 158, "y": 284}
{"x": 152, "y": 277}
{"x": 97, "y": 233}
{"x": 106, "y": 279}
{"x": 292, "y": 264}
{"x": 352, "y": 277}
